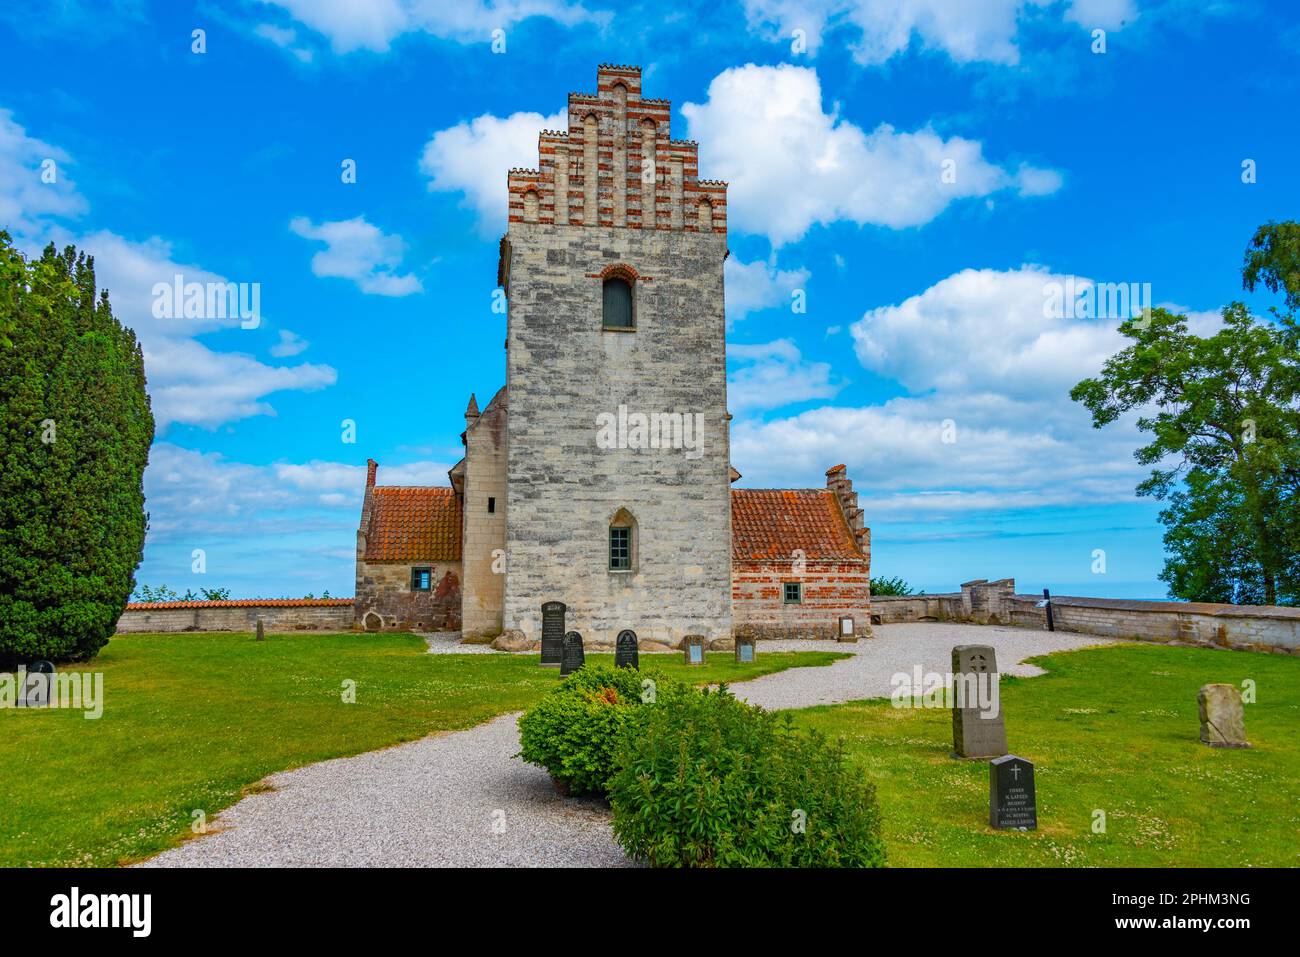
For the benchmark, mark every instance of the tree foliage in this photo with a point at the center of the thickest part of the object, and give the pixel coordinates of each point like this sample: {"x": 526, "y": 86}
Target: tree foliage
{"x": 1223, "y": 414}
{"x": 75, "y": 430}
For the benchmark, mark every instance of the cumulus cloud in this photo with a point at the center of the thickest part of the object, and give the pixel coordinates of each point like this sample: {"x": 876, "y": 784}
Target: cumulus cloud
{"x": 790, "y": 164}
{"x": 286, "y": 38}
{"x": 759, "y": 285}
{"x": 375, "y": 24}
{"x": 188, "y": 382}
{"x": 290, "y": 344}
{"x": 966, "y": 31}
{"x": 986, "y": 423}
{"x": 473, "y": 157}
{"x": 774, "y": 374}
{"x": 359, "y": 251}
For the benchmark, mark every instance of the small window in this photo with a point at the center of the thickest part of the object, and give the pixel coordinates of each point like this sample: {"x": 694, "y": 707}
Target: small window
{"x": 421, "y": 579}
{"x": 492, "y": 505}
{"x": 793, "y": 593}
{"x": 620, "y": 549}
{"x": 616, "y": 307}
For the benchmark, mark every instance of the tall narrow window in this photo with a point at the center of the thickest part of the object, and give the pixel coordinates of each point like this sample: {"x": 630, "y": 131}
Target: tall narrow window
{"x": 616, "y": 307}
{"x": 620, "y": 549}
{"x": 492, "y": 505}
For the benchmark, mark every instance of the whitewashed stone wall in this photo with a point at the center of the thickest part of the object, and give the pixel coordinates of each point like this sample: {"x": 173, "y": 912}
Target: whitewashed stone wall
{"x": 563, "y": 370}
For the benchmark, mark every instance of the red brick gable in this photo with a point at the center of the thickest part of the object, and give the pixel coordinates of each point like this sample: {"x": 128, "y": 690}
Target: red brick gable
{"x": 413, "y": 524}
{"x": 769, "y": 524}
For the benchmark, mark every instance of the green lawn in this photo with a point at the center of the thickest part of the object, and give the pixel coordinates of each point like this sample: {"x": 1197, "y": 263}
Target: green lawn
{"x": 1112, "y": 729}
{"x": 192, "y": 721}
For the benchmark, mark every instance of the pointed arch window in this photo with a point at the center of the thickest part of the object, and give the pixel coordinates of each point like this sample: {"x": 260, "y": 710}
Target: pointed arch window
{"x": 622, "y": 542}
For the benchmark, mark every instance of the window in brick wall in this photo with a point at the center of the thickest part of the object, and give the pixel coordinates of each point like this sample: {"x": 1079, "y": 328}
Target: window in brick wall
{"x": 421, "y": 579}
{"x": 793, "y": 593}
{"x": 492, "y": 505}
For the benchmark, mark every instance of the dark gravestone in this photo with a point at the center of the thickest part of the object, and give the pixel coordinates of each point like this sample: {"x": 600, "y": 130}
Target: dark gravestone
{"x": 744, "y": 649}
{"x": 35, "y": 691}
{"x": 1012, "y": 803}
{"x": 693, "y": 647}
{"x": 625, "y": 650}
{"x": 553, "y": 633}
{"x": 978, "y": 730}
{"x": 571, "y": 657}
{"x": 261, "y": 631}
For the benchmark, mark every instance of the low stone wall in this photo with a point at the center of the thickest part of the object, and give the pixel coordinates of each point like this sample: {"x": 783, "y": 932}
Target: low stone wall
{"x": 830, "y": 590}
{"x": 1246, "y": 627}
{"x": 284, "y": 614}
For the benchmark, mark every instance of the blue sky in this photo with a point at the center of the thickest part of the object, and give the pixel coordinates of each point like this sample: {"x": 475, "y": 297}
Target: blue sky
{"x": 834, "y": 122}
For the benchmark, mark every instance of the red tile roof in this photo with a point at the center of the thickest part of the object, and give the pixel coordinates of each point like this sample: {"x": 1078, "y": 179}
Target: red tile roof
{"x": 240, "y": 603}
{"x": 413, "y": 524}
{"x": 770, "y": 524}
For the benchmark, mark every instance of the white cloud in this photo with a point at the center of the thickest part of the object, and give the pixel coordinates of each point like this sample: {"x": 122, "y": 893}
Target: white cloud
{"x": 187, "y": 381}
{"x": 25, "y": 197}
{"x": 475, "y": 156}
{"x": 987, "y": 424}
{"x": 286, "y": 38}
{"x": 290, "y": 344}
{"x": 790, "y": 164}
{"x": 773, "y": 374}
{"x": 968, "y": 31}
{"x": 356, "y": 250}
{"x": 375, "y": 24}
{"x": 759, "y": 285}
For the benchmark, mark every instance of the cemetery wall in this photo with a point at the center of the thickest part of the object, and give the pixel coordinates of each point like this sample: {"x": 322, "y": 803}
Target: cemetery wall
{"x": 297, "y": 614}
{"x": 1246, "y": 627}
{"x": 830, "y": 590}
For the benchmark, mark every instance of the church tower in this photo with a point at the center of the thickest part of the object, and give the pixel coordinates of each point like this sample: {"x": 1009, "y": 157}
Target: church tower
{"x": 617, "y": 450}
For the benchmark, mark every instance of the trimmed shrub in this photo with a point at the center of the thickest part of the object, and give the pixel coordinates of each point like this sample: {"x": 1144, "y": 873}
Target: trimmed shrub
{"x": 572, "y": 732}
{"x": 709, "y": 781}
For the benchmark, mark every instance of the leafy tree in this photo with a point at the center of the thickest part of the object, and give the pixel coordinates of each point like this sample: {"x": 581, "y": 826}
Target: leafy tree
{"x": 1273, "y": 259}
{"x": 890, "y": 586}
{"x": 1223, "y": 412}
{"x": 75, "y": 430}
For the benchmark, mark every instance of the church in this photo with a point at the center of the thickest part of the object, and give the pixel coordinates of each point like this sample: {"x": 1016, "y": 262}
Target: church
{"x": 600, "y": 474}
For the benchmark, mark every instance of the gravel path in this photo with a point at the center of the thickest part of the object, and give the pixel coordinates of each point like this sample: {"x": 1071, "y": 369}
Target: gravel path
{"x": 897, "y": 648}
{"x": 463, "y": 800}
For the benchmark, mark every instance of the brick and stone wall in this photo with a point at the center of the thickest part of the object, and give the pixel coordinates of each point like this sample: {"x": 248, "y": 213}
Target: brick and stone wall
{"x": 589, "y": 214}
{"x": 830, "y": 590}
{"x": 385, "y": 600}
{"x": 295, "y": 614}
{"x": 1245, "y": 627}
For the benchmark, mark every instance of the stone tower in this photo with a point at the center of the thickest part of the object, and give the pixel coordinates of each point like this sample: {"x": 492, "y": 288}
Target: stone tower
{"x": 616, "y": 375}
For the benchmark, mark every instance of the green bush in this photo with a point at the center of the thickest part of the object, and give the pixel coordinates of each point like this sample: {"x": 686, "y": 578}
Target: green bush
{"x": 75, "y": 430}
{"x": 709, "y": 781}
{"x": 572, "y": 732}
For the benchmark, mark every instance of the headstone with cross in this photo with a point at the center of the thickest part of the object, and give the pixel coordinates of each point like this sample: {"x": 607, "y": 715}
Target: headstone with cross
{"x": 978, "y": 730}
{"x": 625, "y": 650}
{"x": 571, "y": 656}
{"x": 1012, "y": 802}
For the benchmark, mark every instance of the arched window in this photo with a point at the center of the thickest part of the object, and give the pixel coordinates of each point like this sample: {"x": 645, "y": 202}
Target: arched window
{"x": 622, "y": 542}
{"x": 616, "y": 306}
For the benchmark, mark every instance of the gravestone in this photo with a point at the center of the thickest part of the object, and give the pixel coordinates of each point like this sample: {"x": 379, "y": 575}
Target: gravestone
{"x": 744, "y": 649}
{"x": 571, "y": 656}
{"x": 625, "y": 650}
{"x": 1223, "y": 719}
{"x": 978, "y": 730}
{"x": 553, "y": 633}
{"x": 848, "y": 630}
{"x": 261, "y": 631}
{"x": 693, "y": 648}
{"x": 35, "y": 689}
{"x": 1012, "y": 802}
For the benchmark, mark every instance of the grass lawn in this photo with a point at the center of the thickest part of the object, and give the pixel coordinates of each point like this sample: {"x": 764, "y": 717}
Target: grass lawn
{"x": 1112, "y": 729}
{"x": 193, "y": 721}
